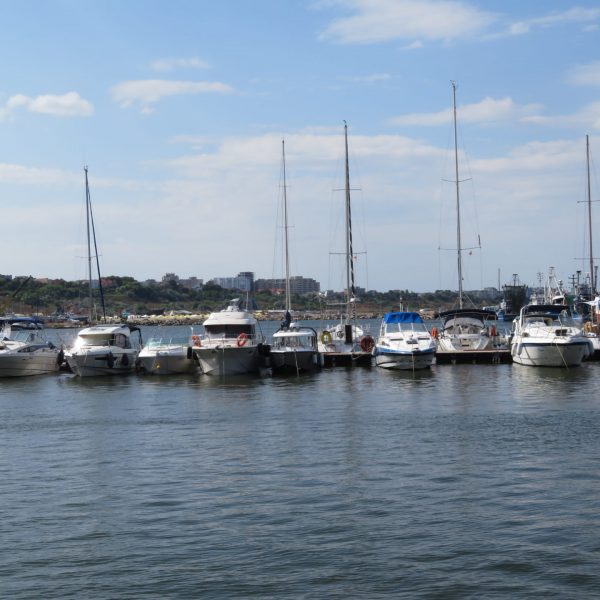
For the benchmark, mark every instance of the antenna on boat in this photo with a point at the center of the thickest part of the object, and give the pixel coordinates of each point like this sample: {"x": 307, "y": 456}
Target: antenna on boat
{"x": 350, "y": 290}
{"x": 92, "y": 229}
{"x": 285, "y": 233}
{"x": 458, "y": 240}
{"x": 589, "y": 199}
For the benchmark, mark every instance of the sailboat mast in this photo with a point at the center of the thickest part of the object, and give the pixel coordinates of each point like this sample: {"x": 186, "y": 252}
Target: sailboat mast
{"x": 285, "y": 229}
{"x": 349, "y": 251}
{"x": 89, "y": 246}
{"x": 458, "y": 240}
{"x": 589, "y": 198}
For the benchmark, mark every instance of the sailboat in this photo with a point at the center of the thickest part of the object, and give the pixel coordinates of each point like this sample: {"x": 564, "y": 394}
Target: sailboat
{"x": 101, "y": 349}
{"x": 465, "y": 329}
{"x": 591, "y": 328}
{"x": 294, "y": 348}
{"x": 346, "y": 342}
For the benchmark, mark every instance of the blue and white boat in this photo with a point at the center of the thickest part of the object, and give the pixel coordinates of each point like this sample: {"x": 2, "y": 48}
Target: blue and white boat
{"x": 404, "y": 342}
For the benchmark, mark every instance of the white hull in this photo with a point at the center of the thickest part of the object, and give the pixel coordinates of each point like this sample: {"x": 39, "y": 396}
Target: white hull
{"x": 549, "y": 354}
{"x": 293, "y": 360}
{"x": 459, "y": 343}
{"x": 404, "y": 361}
{"x": 22, "y": 364}
{"x": 228, "y": 360}
{"x": 93, "y": 362}
{"x": 167, "y": 362}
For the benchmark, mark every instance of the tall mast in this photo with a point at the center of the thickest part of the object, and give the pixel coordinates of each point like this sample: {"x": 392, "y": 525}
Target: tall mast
{"x": 349, "y": 254}
{"x": 285, "y": 229}
{"x": 89, "y": 246}
{"x": 589, "y": 199}
{"x": 458, "y": 240}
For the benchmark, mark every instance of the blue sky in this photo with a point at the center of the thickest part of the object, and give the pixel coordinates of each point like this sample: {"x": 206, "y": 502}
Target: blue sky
{"x": 179, "y": 109}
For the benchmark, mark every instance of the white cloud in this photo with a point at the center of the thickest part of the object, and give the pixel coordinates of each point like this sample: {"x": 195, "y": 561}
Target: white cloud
{"x": 577, "y": 15}
{"x": 369, "y": 78}
{"x": 489, "y": 110}
{"x": 416, "y": 45}
{"x": 376, "y": 21}
{"x": 150, "y": 91}
{"x": 70, "y": 104}
{"x": 588, "y": 116}
{"x": 585, "y": 74}
{"x": 170, "y": 64}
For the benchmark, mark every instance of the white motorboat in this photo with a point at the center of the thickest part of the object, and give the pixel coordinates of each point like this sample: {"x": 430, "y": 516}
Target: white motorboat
{"x": 294, "y": 348}
{"x": 230, "y": 345}
{"x": 346, "y": 342}
{"x": 25, "y": 350}
{"x": 468, "y": 329}
{"x": 544, "y": 336}
{"x": 169, "y": 355}
{"x": 404, "y": 342}
{"x": 104, "y": 350}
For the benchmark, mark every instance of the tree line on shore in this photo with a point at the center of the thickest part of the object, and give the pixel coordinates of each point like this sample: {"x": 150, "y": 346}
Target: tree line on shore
{"x": 27, "y": 295}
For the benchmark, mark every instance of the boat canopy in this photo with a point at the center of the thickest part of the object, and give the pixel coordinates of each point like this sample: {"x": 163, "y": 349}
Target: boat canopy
{"x": 545, "y": 309}
{"x": 469, "y": 313}
{"x": 402, "y": 317}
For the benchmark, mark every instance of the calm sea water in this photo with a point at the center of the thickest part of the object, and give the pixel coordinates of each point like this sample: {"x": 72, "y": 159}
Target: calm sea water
{"x": 464, "y": 481}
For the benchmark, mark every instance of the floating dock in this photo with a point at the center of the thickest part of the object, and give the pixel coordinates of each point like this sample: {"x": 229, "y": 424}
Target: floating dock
{"x": 482, "y": 357}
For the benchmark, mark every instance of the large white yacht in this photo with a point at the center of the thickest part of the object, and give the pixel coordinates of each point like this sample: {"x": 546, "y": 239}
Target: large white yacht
{"x": 104, "y": 350}
{"x": 24, "y": 349}
{"x": 544, "y": 336}
{"x": 230, "y": 344}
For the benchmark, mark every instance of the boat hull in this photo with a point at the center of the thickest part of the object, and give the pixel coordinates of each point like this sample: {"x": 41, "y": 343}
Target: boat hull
{"x": 167, "y": 362}
{"x": 22, "y": 364}
{"x": 93, "y": 363}
{"x": 228, "y": 360}
{"x": 550, "y": 354}
{"x": 293, "y": 361}
{"x": 403, "y": 361}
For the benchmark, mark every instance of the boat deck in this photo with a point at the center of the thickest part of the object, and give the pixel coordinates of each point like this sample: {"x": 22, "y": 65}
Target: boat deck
{"x": 494, "y": 357}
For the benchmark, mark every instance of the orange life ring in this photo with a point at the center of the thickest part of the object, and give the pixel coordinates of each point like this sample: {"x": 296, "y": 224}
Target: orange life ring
{"x": 196, "y": 341}
{"x": 242, "y": 339}
{"x": 367, "y": 343}
{"x": 434, "y": 332}
{"x": 493, "y": 331}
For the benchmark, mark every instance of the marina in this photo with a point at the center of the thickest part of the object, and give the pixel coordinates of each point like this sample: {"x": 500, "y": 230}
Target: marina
{"x": 464, "y": 479}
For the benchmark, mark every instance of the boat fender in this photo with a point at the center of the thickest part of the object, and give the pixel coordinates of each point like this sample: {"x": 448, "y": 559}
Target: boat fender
{"x": 242, "y": 339}
{"x": 60, "y": 357}
{"x": 110, "y": 361}
{"x": 326, "y": 338}
{"x": 367, "y": 343}
{"x": 196, "y": 341}
{"x": 434, "y": 332}
{"x": 587, "y": 327}
{"x": 190, "y": 353}
{"x": 125, "y": 360}
{"x": 493, "y": 331}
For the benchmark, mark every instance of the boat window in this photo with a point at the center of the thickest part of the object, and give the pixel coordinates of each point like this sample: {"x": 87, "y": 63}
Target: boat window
{"x": 228, "y": 331}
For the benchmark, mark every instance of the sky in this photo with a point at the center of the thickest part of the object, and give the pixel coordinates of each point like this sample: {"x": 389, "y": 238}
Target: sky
{"x": 179, "y": 110}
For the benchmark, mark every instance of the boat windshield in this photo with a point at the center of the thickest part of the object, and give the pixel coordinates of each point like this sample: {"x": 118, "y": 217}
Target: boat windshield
{"x": 228, "y": 331}
{"x": 180, "y": 340}
{"x": 118, "y": 339}
{"x": 406, "y": 328}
